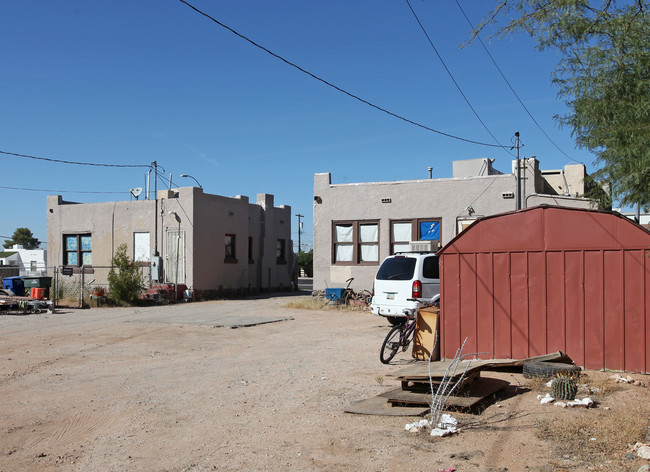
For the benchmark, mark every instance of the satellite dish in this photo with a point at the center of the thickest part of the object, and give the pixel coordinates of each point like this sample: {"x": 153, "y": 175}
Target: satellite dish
{"x": 136, "y": 192}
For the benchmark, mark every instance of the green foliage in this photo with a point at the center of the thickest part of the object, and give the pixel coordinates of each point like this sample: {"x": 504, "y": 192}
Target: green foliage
{"x": 124, "y": 278}
{"x": 24, "y": 237}
{"x": 564, "y": 388}
{"x": 604, "y": 77}
{"x": 306, "y": 262}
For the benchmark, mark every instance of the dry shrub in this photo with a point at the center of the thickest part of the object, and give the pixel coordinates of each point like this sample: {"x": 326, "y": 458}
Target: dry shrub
{"x": 319, "y": 303}
{"x": 597, "y": 435}
{"x": 536, "y": 384}
{"x": 598, "y": 386}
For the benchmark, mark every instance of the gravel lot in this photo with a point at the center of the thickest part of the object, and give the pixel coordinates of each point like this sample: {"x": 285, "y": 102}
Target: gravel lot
{"x": 165, "y": 389}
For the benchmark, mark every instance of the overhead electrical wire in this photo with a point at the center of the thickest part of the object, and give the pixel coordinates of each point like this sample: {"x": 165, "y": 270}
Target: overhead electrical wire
{"x": 356, "y": 97}
{"x": 60, "y": 161}
{"x": 511, "y": 88}
{"x": 57, "y": 191}
{"x": 453, "y": 79}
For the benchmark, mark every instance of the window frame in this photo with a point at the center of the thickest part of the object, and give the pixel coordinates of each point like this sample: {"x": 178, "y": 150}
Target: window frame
{"x": 230, "y": 257}
{"x": 356, "y": 242}
{"x": 251, "y": 260}
{"x": 415, "y": 230}
{"x": 79, "y": 251}
{"x": 281, "y": 251}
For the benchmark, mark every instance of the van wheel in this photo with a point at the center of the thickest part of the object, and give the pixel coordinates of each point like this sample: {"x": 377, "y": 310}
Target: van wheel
{"x": 396, "y": 320}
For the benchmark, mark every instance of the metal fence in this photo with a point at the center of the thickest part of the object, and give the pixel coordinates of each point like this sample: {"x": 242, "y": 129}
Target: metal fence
{"x": 76, "y": 287}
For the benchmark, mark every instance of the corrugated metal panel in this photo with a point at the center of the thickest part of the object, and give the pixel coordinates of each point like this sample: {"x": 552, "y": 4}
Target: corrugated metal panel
{"x": 581, "y": 286}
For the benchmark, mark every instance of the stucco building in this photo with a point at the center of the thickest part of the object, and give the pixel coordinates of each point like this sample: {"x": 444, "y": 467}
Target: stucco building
{"x": 224, "y": 244}
{"x": 29, "y": 262}
{"x": 357, "y": 225}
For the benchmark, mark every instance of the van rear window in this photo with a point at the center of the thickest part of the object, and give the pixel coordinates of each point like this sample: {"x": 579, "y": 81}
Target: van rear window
{"x": 430, "y": 268}
{"x": 397, "y": 268}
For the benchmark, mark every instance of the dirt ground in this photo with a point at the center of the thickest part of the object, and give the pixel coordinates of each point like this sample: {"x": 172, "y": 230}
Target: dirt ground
{"x": 161, "y": 389}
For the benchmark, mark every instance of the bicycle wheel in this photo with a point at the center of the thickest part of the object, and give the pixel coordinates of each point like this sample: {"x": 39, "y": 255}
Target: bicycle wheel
{"x": 391, "y": 344}
{"x": 366, "y": 296}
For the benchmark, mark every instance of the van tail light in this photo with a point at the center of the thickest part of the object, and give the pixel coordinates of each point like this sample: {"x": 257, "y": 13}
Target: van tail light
{"x": 417, "y": 289}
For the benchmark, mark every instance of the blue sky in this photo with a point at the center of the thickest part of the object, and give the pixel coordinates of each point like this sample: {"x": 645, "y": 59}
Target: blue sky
{"x": 132, "y": 82}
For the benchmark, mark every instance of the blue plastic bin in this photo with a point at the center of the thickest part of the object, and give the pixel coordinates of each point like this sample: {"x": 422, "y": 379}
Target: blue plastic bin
{"x": 334, "y": 294}
{"x": 15, "y": 284}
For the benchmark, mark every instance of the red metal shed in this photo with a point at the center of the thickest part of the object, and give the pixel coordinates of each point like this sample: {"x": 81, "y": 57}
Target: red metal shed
{"x": 544, "y": 279}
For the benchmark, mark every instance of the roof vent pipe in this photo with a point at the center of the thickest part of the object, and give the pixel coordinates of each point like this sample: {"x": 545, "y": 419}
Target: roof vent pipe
{"x": 430, "y": 169}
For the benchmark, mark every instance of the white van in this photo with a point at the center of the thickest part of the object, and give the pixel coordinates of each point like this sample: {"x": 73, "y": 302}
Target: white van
{"x": 401, "y": 278}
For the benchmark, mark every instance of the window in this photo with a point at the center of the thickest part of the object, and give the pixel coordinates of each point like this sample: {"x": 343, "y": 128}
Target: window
{"x": 141, "y": 247}
{"x": 400, "y": 236}
{"x": 355, "y": 242}
{"x": 430, "y": 269}
{"x": 343, "y": 243}
{"x": 402, "y": 232}
{"x": 463, "y": 223}
{"x": 369, "y": 242}
{"x": 250, "y": 250}
{"x": 429, "y": 230}
{"x": 231, "y": 248}
{"x": 33, "y": 266}
{"x": 280, "y": 251}
{"x": 78, "y": 250}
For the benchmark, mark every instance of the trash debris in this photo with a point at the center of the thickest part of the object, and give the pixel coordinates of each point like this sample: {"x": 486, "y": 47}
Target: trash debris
{"x": 545, "y": 399}
{"x": 585, "y": 402}
{"x": 548, "y": 398}
{"x": 417, "y": 426}
{"x": 642, "y": 450}
{"x": 446, "y": 426}
{"x": 618, "y": 378}
{"x": 449, "y": 469}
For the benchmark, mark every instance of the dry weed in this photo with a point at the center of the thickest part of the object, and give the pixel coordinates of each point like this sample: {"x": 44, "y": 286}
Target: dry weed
{"x": 319, "y": 303}
{"x": 597, "y": 436}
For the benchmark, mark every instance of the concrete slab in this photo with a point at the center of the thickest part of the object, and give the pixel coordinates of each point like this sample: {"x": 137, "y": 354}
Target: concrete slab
{"x": 223, "y": 314}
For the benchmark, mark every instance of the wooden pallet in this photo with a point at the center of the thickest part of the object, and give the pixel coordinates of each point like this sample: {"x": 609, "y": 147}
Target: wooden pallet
{"x": 416, "y": 402}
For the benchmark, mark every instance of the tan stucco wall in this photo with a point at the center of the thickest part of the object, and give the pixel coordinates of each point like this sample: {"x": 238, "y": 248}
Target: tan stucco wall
{"x": 205, "y": 220}
{"x": 447, "y": 199}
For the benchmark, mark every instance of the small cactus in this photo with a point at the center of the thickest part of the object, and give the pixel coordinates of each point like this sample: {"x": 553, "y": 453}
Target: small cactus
{"x": 564, "y": 388}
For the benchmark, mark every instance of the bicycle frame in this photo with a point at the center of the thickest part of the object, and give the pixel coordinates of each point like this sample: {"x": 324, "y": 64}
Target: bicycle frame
{"x": 399, "y": 336}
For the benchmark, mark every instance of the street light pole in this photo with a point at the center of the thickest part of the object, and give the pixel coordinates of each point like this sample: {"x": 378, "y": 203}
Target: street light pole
{"x": 197, "y": 182}
{"x": 178, "y": 243}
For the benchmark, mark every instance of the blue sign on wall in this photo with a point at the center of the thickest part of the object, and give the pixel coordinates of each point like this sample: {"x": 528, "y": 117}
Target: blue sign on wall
{"x": 429, "y": 230}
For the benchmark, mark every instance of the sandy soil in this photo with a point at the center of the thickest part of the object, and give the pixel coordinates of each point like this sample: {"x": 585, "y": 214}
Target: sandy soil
{"x": 145, "y": 389}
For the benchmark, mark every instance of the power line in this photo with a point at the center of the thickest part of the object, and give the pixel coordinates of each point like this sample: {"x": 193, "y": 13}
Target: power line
{"x": 511, "y": 88}
{"x": 57, "y": 191}
{"x": 452, "y": 77}
{"x": 71, "y": 162}
{"x": 335, "y": 86}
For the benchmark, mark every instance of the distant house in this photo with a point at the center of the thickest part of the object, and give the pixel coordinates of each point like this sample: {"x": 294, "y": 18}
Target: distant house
{"x": 30, "y": 262}
{"x": 356, "y": 225}
{"x": 210, "y": 243}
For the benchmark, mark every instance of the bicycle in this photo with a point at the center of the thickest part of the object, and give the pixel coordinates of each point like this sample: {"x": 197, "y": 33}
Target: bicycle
{"x": 353, "y": 297}
{"x": 349, "y": 296}
{"x": 401, "y": 335}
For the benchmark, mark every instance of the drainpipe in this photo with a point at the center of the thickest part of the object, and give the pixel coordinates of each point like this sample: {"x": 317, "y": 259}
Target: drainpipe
{"x": 566, "y": 185}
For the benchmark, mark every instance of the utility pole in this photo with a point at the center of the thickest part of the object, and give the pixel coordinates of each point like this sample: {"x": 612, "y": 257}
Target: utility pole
{"x": 155, "y": 211}
{"x": 299, "y": 230}
{"x": 518, "y": 175}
